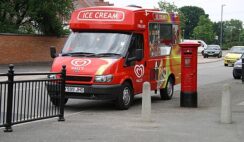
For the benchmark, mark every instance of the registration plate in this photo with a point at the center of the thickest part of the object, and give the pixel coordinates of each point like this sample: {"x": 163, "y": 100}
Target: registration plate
{"x": 74, "y": 89}
{"x": 229, "y": 64}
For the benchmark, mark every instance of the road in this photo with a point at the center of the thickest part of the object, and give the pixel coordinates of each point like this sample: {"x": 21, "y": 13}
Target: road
{"x": 93, "y": 121}
{"x": 213, "y": 72}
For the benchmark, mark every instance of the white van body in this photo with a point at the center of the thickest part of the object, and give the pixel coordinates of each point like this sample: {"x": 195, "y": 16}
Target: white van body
{"x": 201, "y": 47}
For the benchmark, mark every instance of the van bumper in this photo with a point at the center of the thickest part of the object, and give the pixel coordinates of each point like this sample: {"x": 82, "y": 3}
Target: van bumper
{"x": 95, "y": 92}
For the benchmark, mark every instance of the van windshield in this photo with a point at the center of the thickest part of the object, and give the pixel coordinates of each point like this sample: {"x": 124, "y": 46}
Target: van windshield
{"x": 95, "y": 43}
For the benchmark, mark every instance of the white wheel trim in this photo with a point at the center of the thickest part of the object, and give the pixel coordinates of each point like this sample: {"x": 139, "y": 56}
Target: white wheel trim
{"x": 170, "y": 88}
{"x": 126, "y": 96}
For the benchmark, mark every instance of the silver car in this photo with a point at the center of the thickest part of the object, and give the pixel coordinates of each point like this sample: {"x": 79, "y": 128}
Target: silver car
{"x": 212, "y": 50}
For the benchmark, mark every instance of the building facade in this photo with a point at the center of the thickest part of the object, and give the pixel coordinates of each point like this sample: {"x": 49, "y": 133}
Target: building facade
{"x": 90, "y": 3}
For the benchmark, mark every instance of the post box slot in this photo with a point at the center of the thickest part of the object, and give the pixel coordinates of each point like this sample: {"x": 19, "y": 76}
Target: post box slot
{"x": 187, "y": 51}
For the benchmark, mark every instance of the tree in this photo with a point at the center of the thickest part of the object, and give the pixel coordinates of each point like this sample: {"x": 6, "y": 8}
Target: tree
{"x": 232, "y": 30}
{"x": 216, "y": 30}
{"x": 232, "y": 33}
{"x": 191, "y": 15}
{"x": 204, "y": 30}
{"x": 242, "y": 36}
{"x": 167, "y": 6}
{"x": 45, "y": 16}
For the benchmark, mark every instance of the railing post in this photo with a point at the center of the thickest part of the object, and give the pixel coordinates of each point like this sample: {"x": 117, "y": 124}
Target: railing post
{"x": 8, "y": 125}
{"x": 63, "y": 78}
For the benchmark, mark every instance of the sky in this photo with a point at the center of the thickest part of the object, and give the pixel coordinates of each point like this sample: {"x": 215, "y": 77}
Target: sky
{"x": 233, "y": 9}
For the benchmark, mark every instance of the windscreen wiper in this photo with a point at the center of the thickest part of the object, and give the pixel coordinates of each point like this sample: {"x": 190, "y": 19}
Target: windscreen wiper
{"x": 108, "y": 54}
{"x": 78, "y": 54}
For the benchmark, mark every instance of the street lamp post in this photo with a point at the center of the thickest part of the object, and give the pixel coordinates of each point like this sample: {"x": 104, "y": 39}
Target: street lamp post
{"x": 183, "y": 34}
{"x": 221, "y": 26}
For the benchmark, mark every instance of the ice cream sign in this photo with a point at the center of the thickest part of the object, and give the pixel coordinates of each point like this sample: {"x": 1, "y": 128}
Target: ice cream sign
{"x": 101, "y": 15}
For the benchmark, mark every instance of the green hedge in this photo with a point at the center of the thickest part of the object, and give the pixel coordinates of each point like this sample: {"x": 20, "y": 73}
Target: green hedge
{"x": 227, "y": 46}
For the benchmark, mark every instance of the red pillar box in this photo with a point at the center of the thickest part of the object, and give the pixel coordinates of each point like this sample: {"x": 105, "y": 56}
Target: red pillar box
{"x": 188, "y": 94}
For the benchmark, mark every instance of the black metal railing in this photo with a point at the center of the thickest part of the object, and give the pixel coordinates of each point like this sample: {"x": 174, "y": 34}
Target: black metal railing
{"x": 24, "y": 100}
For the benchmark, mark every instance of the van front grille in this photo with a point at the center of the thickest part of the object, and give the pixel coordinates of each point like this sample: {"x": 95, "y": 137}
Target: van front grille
{"x": 79, "y": 78}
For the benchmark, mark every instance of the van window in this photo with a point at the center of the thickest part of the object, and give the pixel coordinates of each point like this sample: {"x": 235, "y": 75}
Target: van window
{"x": 176, "y": 34}
{"x": 136, "y": 43}
{"x": 160, "y": 39}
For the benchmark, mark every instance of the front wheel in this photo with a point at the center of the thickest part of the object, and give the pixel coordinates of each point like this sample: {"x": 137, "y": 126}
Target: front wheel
{"x": 235, "y": 75}
{"x": 125, "y": 97}
{"x": 220, "y": 55}
{"x": 167, "y": 92}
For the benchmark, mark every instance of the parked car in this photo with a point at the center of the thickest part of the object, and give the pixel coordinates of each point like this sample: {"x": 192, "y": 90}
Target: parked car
{"x": 202, "y": 46}
{"x": 212, "y": 50}
{"x": 234, "y": 54}
{"x": 237, "y": 68}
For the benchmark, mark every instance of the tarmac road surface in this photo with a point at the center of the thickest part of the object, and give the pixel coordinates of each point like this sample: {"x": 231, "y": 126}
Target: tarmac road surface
{"x": 98, "y": 121}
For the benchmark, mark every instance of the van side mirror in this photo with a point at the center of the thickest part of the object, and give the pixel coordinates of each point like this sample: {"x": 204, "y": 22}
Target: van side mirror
{"x": 53, "y": 52}
{"x": 137, "y": 57}
{"x": 139, "y": 54}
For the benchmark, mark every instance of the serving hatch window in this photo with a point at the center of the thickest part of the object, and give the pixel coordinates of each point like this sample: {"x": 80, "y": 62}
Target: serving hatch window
{"x": 161, "y": 39}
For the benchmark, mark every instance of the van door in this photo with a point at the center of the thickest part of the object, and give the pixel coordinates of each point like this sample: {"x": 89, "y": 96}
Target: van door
{"x": 136, "y": 67}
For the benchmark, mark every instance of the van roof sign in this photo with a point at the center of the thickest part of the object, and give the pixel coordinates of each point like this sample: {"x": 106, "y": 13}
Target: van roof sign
{"x": 101, "y": 15}
{"x": 161, "y": 16}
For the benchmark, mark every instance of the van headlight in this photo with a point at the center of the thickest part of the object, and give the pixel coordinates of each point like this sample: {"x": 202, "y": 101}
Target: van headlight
{"x": 103, "y": 78}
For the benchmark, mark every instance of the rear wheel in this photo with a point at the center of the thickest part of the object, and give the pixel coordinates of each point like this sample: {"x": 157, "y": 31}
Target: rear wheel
{"x": 226, "y": 64}
{"x": 167, "y": 92}
{"x": 125, "y": 97}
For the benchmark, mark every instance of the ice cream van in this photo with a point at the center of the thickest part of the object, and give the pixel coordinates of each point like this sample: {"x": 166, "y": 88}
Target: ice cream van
{"x": 112, "y": 51}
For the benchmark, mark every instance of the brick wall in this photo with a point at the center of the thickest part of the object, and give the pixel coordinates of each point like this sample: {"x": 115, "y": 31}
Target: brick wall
{"x": 27, "y": 49}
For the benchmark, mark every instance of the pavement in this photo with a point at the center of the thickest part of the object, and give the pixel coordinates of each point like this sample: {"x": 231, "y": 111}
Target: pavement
{"x": 100, "y": 122}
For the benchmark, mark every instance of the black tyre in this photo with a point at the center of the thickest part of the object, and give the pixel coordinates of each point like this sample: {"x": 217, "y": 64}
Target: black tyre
{"x": 167, "y": 92}
{"x": 226, "y": 64}
{"x": 125, "y": 97}
{"x": 235, "y": 75}
{"x": 56, "y": 101}
{"x": 220, "y": 55}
